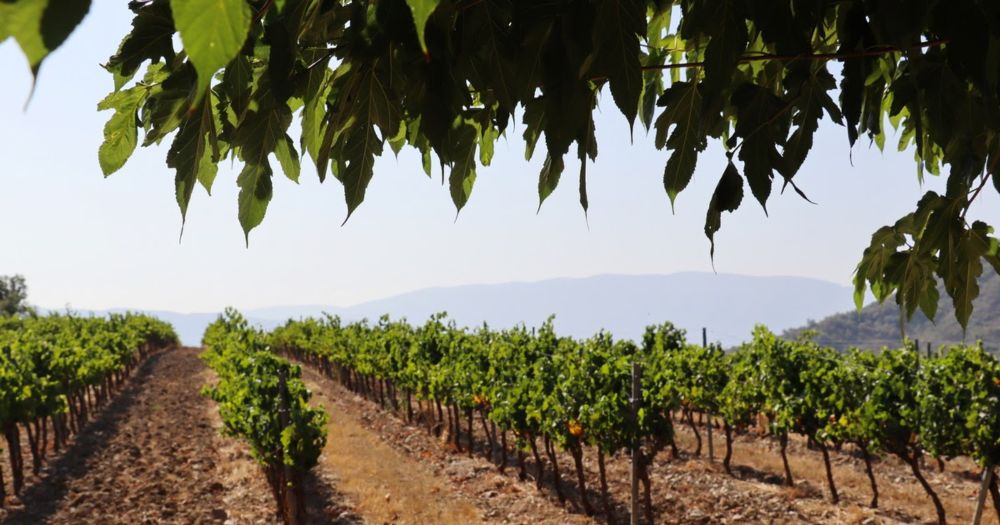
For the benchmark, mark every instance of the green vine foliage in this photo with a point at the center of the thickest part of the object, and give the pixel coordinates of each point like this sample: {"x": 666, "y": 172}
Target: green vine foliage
{"x": 448, "y": 78}
{"x": 578, "y": 392}
{"x": 262, "y": 400}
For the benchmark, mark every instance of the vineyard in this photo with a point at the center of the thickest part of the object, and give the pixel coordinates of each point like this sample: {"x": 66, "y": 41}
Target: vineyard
{"x": 56, "y": 371}
{"x": 278, "y": 420}
{"x": 262, "y": 400}
{"x": 537, "y": 390}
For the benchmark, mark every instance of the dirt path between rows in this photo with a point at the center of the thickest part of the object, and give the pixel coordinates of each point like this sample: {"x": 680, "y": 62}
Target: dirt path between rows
{"x": 383, "y": 484}
{"x": 154, "y": 455}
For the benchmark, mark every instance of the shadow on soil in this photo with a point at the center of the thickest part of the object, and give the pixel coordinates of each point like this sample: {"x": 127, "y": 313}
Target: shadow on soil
{"x": 42, "y": 498}
{"x": 324, "y": 504}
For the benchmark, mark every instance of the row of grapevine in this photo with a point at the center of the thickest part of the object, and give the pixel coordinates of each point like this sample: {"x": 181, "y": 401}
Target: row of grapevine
{"x": 263, "y": 401}
{"x": 57, "y": 370}
{"x": 568, "y": 393}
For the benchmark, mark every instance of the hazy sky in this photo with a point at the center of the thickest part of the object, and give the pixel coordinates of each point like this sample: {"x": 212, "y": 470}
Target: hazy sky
{"x": 91, "y": 242}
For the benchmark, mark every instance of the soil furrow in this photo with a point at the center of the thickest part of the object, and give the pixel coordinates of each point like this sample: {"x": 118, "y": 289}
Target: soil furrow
{"x": 153, "y": 455}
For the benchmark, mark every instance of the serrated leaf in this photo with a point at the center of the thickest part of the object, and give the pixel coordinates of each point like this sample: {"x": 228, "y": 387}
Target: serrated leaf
{"x": 237, "y": 82}
{"x": 358, "y": 143}
{"x": 962, "y": 275}
{"x": 487, "y": 30}
{"x": 534, "y": 123}
{"x": 813, "y": 97}
{"x": 213, "y": 32}
{"x": 151, "y": 38}
{"x": 463, "y": 170}
{"x": 255, "y": 194}
{"x": 40, "y": 26}
{"x": 724, "y": 49}
{"x": 548, "y": 178}
{"x": 422, "y": 10}
{"x": 727, "y": 196}
{"x": 616, "y": 51}
{"x": 167, "y": 105}
{"x": 682, "y": 112}
{"x": 652, "y": 88}
{"x": 120, "y": 134}
{"x": 194, "y": 154}
{"x": 759, "y": 128}
{"x": 314, "y": 109}
{"x": 263, "y": 130}
{"x": 288, "y": 158}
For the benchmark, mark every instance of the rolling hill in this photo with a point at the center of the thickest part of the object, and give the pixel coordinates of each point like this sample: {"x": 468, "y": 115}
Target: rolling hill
{"x": 727, "y": 305}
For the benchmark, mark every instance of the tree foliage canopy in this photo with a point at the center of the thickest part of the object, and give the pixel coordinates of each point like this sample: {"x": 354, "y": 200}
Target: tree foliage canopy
{"x": 447, "y": 77}
{"x": 14, "y": 296}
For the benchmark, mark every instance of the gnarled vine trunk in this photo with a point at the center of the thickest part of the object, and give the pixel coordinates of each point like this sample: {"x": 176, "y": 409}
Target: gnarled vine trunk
{"x": 914, "y": 462}
{"x": 729, "y": 448}
{"x": 783, "y": 440}
{"x": 581, "y": 479}
{"x": 694, "y": 429}
{"x": 871, "y": 474}
{"x": 14, "y": 452}
{"x": 556, "y": 479}
{"x": 609, "y": 513}
{"x": 539, "y": 463}
{"x": 834, "y": 497}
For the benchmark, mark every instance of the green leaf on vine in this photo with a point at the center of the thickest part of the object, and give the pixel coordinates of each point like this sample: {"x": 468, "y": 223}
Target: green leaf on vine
{"x": 40, "y": 26}
{"x": 194, "y": 153}
{"x": 727, "y": 196}
{"x": 212, "y": 31}
{"x": 120, "y": 133}
{"x": 255, "y": 194}
{"x": 682, "y": 111}
{"x": 422, "y": 10}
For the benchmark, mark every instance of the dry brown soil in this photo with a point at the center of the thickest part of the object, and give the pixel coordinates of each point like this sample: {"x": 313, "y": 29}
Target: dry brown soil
{"x": 153, "y": 455}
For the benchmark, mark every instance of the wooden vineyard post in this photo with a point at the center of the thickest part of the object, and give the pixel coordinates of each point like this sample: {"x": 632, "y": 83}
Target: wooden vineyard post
{"x": 708, "y": 414}
{"x": 634, "y": 402}
{"x": 928, "y": 348}
{"x": 983, "y": 489}
{"x": 292, "y": 511}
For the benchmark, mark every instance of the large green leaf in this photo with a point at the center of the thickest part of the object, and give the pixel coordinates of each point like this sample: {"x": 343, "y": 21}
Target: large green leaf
{"x": 727, "y": 196}
{"x": 548, "y": 179}
{"x": 422, "y": 10}
{"x": 723, "y": 51}
{"x": 151, "y": 39}
{"x": 314, "y": 109}
{"x": 812, "y": 99}
{"x": 761, "y": 130}
{"x": 962, "y": 282}
{"x": 213, "y": 32}
{"x": 40, "y": 26}
{"x": 194, "y": 153}
{"x": 255, "y": 194}
{"x": 682, "y": 111}
{"x": 357, "y": 142}
{"x": 616, "y": 51}
{"x": 288, "y": 158}
{"x": 463, "y": 171}
{"x": 120, "y": 133}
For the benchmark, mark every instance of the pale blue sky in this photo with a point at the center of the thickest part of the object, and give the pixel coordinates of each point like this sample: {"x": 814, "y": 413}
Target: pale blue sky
{"x": 94, "y": 243}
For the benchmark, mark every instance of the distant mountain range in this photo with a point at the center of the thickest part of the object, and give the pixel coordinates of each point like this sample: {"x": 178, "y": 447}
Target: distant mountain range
{"x": 727, "y": 305}
{"x": 879, "y": 325}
